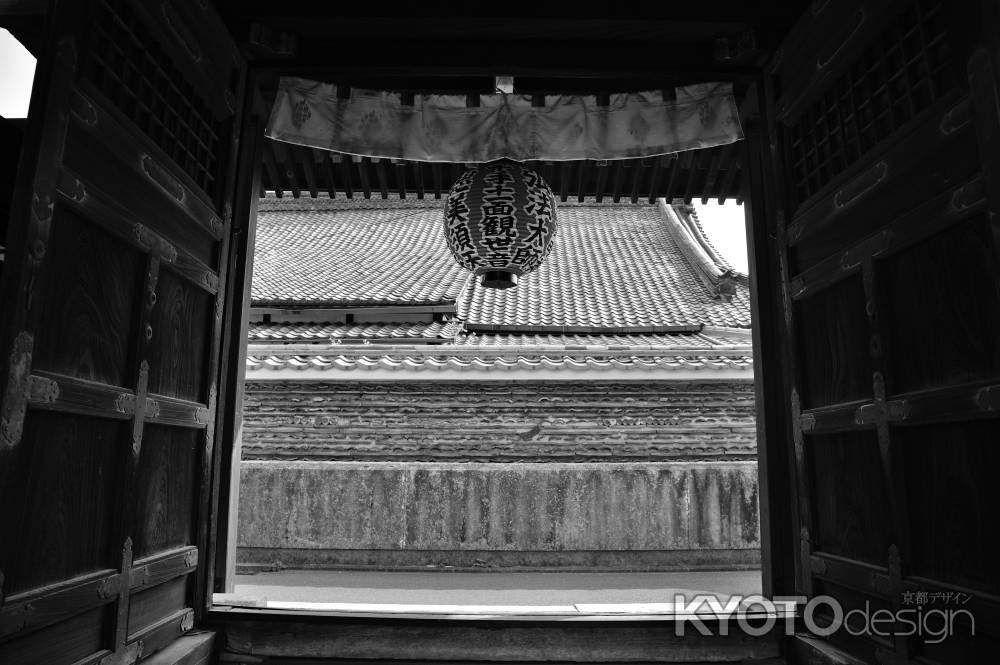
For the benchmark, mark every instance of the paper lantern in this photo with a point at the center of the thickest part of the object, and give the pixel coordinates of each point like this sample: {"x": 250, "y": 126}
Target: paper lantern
{"x": 499, "y": 221}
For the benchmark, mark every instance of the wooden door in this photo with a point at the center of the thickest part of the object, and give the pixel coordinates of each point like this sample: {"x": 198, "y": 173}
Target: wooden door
{"x": 888, "y": 238}
{"x": 112, "y": 310}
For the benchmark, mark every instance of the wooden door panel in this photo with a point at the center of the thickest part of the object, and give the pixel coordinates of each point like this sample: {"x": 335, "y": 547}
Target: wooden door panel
{"x": 88, "y": 335}
{"x": 945, "y": 317}
{"x": 888, "y": 247}
{"x": 850, "y": 504}
{"x": 70, "y": 469}
{"x": 951, "y": 490}
{"x": 865, "y": 647}
{"x": 834, "y": 341}
{"x": 167, "y": 489}
{"x": 149, "y": 606}
{"x": 176, "y": 364}
{"x": 113, "y": 289}
{"x": 68, "y": 643}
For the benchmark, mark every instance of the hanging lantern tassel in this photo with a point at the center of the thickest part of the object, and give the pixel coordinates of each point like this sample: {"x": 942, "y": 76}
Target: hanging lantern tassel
{"x": 499, "y": 221}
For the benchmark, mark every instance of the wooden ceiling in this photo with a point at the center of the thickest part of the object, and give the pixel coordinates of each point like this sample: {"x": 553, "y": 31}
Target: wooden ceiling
{"x": 711, "y": 173}
{"x": 551, "y": 47}
{"x": 558, "y": 36}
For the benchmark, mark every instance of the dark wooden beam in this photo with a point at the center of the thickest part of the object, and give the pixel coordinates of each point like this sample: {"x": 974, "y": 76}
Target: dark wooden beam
{"x": 619, "y": 177}
{"x": 602, "y": 177}
{"x": 638, "y": 175}
{"x": 400, "y": 177}
{"x": 680, "y": 164}
{"x": 302, "y": 636}
{"x": 345, "y": 171}
{"x": 418, "y": 178}
{"x": 383, "y": 176}
{"x": 286, "y": 166}
{"x": 323, "y": 158}
{"x": 729, "y": 179}
{"x": 567, "y": 60}
{"x": 697, "y": 159}
{"x": 565, "y": 175}
{"x": 436, "y": 177}
{"x": 657, "y": 176}
{"x": 363, "y": 166}
{"x": 273, "y": 173}
{"x": 705, "y": 174}
{"x": 713, "y": 172}
{"x": 304, "y": 157}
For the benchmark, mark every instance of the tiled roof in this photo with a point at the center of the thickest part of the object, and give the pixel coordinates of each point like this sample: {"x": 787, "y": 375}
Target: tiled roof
{"x": 340, "y": 254}
{"x": 514, "y": 355}
{"x": 614, "y": 269}
{"x": 323, "y": 332}
{"x": 453, "y": 332}
{"x": 634, "y": 341}
{"x": 333, "y": 361}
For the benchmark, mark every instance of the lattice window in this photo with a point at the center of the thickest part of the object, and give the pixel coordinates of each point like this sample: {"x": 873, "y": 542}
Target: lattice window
{"x": 128, "y": 65}
{"x": 901, "y": 73}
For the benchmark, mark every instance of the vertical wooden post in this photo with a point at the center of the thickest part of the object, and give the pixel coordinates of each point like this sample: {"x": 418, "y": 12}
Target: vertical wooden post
{"x": 226, "y": 458}
{"x": 779, "y": 521}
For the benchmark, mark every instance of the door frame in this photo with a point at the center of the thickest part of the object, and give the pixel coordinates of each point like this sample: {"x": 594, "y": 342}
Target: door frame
{"x": 776, "y": 496}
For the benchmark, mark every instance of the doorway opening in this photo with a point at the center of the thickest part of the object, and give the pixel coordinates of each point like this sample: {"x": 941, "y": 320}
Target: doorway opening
{"x": 584, "y": 443}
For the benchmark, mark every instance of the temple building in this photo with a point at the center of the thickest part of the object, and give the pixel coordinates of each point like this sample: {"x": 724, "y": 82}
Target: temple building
{"x": 398, "y": 414}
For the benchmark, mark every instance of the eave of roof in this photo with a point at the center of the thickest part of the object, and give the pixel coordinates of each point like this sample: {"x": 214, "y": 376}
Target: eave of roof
{"x": 540, "y": 367}
{"x": 696, "y": 361}
{"x": 324, "y": 332}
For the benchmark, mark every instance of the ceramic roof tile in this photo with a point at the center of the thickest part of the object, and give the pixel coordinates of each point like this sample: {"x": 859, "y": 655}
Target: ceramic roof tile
{"x": 315, "y": 256}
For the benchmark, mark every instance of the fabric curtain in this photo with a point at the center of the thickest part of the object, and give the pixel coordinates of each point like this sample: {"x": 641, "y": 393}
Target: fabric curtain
{"x": 441, "y": 128}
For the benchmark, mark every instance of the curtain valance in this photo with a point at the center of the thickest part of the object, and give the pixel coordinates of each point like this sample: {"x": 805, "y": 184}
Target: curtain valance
{"x": 441, "y": 128}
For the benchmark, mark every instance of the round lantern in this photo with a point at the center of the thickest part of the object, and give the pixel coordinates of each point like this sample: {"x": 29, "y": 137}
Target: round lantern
{"x": 499, "y": 221}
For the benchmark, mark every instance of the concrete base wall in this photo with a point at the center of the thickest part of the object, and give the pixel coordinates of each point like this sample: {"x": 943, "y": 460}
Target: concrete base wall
{"x": 636, "y": 516}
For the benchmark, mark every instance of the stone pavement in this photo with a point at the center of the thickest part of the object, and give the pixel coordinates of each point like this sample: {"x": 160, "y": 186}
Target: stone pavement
{"x": 536, "y": 589}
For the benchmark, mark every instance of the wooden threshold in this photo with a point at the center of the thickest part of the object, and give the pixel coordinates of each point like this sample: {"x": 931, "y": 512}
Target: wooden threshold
{"x": 270, "y": 634}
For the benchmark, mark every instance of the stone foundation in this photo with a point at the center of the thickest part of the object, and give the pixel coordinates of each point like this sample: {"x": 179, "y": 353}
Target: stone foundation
{"x": 621, "y": 516}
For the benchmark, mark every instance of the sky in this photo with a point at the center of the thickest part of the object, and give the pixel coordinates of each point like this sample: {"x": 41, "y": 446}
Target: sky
{"x": 726, "y": 228}
{"x": 724, "y": 224}
{"x": 17, "y": 67}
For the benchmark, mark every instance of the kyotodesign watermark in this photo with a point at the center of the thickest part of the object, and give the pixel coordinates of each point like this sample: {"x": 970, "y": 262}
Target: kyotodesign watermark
{"x": 823, "y": 616}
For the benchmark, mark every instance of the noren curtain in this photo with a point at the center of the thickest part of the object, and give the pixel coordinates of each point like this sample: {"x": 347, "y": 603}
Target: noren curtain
{"x": 441, "y": 128}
